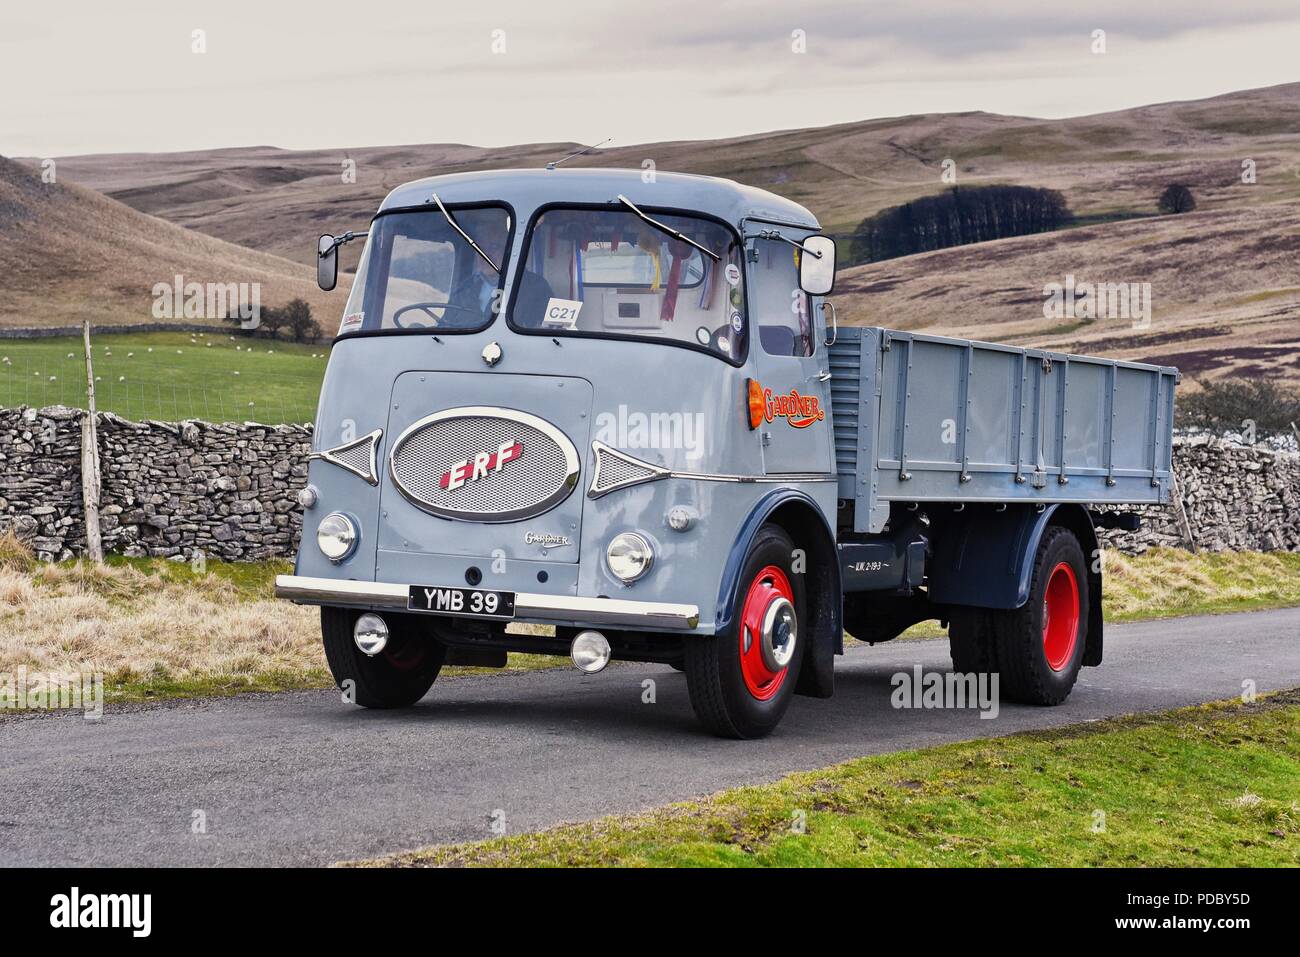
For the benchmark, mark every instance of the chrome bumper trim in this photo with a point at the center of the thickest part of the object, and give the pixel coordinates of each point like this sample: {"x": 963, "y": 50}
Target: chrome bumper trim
{"x": 587, "y": 611}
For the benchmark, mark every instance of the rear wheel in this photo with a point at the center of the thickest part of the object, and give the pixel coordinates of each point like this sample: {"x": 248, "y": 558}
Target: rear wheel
{"x": 1039, "y": 646}
{"x": 398, "y": 676}
{"x": 740, "y": 681}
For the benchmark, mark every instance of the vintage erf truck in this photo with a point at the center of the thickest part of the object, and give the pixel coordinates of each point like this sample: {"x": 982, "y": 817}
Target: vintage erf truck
{"x": 611, "y": 414}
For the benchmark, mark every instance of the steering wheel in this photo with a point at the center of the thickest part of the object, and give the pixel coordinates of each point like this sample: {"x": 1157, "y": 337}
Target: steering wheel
{"x": 427, "y": 308}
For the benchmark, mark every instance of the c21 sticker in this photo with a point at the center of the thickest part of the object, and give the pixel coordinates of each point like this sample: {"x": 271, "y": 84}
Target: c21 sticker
{"x": 562, "y": 313}
{"x": 732, "y": 272}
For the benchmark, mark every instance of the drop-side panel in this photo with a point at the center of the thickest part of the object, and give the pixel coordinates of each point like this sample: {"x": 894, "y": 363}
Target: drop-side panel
{"x": 959, "y": 420}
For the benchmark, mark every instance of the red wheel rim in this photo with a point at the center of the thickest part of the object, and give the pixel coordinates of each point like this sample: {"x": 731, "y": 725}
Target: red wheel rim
{"x": 768, "y": 585}
{"x": 407, "y": 656}
{"x": 1060, "y": 617}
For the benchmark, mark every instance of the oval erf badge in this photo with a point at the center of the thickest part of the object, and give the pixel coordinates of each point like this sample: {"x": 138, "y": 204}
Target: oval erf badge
{"x": 732, "y": 272}
{"x": 737, "y": 321}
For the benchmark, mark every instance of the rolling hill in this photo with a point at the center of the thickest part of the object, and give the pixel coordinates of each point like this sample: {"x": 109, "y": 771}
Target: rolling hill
{"x": 1111, "y": 165}
{"x": 1224, "y": 290}
{"x": 68, "y": 253}
{"x": 1225, "y": 280}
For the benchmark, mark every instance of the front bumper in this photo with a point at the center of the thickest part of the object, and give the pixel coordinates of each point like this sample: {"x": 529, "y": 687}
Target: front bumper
{"x": 552, "y": 608}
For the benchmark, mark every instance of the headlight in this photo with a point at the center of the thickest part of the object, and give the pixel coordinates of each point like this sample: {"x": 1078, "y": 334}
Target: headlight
{"x": 629, "y": 556}
{"x": 336, "y": 536}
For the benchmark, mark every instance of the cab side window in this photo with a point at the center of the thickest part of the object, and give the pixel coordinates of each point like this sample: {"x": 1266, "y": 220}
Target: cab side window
{"x": 778, "y": 307}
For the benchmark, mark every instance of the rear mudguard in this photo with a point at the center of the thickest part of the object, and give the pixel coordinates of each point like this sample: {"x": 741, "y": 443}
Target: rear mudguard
{"x": 799, "y": 515}
{"x": 984, "y": 558}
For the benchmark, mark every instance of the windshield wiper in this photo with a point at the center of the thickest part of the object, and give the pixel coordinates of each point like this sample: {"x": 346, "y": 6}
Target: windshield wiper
{"x": 668, "y": 229}
{"x": 465, "y": 236}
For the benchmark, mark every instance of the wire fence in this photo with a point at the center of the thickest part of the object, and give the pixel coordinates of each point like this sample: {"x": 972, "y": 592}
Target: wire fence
{"x": 167, "y": 383}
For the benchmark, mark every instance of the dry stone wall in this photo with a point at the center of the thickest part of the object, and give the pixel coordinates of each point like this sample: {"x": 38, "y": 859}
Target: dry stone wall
{"x": 229, "y": 491}
{"x": 1236, "y": 498}
{"x": 167, "y": 489}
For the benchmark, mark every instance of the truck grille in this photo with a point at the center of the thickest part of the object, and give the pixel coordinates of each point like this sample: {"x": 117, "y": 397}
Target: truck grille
{"x": 432, "y": 465}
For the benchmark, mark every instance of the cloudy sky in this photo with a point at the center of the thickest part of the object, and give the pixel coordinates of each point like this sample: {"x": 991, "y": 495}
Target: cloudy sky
{"x": 86, "y": 76}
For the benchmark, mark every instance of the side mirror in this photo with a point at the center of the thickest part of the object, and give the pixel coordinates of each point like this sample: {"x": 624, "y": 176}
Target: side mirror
{"x": 817, "y": 265}
{"x": 327, "y": 262}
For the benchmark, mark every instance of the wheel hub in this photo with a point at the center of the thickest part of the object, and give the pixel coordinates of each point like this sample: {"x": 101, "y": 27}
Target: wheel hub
{"x": 780, "y": 629}
{"x": 1060, "y": 616}
{"x": 769, "y": 632}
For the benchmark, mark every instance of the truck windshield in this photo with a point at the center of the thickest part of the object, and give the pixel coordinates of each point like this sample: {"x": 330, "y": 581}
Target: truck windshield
{"x": 608, "y": 273}
{"x": 417, "y": 272}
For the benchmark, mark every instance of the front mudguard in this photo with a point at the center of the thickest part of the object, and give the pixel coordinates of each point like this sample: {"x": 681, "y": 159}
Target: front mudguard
{"x": 802, "y": 519}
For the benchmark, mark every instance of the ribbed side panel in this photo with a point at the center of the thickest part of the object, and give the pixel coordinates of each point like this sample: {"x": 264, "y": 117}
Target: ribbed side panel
{"x": 846, "y": 386}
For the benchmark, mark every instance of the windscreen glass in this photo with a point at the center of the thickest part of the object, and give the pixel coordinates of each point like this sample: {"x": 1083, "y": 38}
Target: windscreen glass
{"x": 609, "y": 273}
{"x": 418, "y": 272}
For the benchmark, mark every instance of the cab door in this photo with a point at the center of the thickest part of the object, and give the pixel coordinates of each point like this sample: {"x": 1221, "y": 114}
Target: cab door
{"x": 789, "y": 356}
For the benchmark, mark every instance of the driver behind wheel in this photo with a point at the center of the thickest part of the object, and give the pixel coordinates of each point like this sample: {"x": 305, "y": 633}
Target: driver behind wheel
{"x": 473, "y": 297}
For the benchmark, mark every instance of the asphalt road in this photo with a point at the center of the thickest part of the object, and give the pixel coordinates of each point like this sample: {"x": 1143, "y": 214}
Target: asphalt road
{"x": 304, "y": 779}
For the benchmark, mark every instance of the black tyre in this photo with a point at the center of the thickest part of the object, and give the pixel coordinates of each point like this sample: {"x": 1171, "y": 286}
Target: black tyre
{"x": 398, "y": 676}
{"x": 741, "y": 681}
{"x": 1039, "y": 646}
{"x": 970, "y": 641}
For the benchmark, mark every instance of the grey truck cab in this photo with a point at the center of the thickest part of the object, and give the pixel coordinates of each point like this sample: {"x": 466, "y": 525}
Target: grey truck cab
{"x": 609, "y": 414}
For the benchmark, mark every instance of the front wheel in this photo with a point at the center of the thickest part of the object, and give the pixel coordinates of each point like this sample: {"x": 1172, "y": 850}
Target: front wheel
{"x": 740, "y": 681}
{"x": 398, "y": 676}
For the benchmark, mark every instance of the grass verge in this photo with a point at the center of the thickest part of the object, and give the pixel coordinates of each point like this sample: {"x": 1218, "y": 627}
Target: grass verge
{"x": 161, "y": 629}
{"x": 1208, "y": 786}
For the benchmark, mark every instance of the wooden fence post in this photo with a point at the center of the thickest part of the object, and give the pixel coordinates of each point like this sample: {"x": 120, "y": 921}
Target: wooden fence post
{"x": 90, "y": 480}
{"x": 1180, "y": 510}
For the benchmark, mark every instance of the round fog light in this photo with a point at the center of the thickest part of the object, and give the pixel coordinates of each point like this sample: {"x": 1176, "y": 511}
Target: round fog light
{"x": 307, "y": 496}
{"x": 590, "y": 652}
{"x": 336, "y": 536}
{"x": 629, "y": 556}
{"x": 371, "y": 634}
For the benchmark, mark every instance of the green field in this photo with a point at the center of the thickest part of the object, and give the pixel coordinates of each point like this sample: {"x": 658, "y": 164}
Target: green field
{"x": 1211, "y": 786}
{"x": 169, "y": 376}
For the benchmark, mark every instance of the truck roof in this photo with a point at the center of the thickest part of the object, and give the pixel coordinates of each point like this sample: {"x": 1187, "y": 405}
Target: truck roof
{"x": 527, "y": 189}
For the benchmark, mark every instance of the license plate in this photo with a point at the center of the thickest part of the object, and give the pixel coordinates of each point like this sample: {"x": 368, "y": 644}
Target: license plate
{"x": 466, "y": 602}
